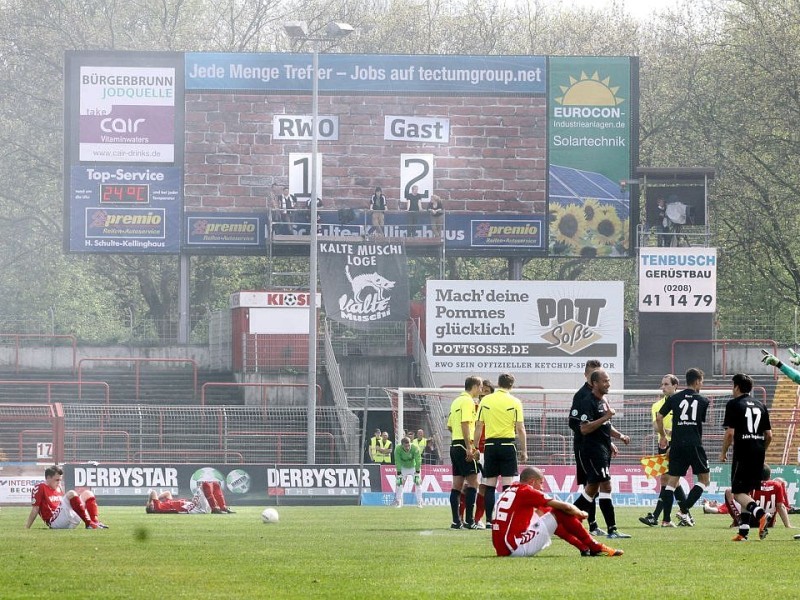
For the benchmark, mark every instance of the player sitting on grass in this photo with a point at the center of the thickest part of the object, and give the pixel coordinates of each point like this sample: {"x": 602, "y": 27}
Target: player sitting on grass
{"x": 208, "y": 498}
{"x": 59, "y": 510}
{"x": 525, "y": 519}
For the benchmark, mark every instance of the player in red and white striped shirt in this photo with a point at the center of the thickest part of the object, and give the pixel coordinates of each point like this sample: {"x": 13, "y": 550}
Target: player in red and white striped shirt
{"x": 525, "y": 519}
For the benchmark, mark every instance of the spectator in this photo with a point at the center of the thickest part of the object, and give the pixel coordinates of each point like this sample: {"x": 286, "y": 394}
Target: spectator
{"x": 413, "y": 199}
{"x": 377, "y": 206}
{"x": 436, "y": 212}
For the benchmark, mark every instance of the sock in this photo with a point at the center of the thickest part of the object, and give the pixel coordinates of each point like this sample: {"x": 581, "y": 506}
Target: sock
{"x": 694, "y": 496}
{"x": 733, "y": 511}
{"x": 455, "y": 496}
{"x": 744, "y": 523}
{"x": 208, "y": 492}
{"x": 607, "y": 508}
{"x": 680, "y": 495}
{"x": 668, "y": 497}
{"x": 470, "y": 502}
{"x": 571, "y": 530}
{"x": 79, "y": 508}
{"x": 659, "y": 505}
{"x": 585, "y": 503}
{"x": 480, "y": 507}
{"x": 756, "y": 512}
{"x": 462, "y": 505}
{"x": 488, "y": 500}
{"x": 218, "y": 496}
{"x": 418, "y": 494}
{"x": 591, "y": 511}
{"x": 91, "y": 508}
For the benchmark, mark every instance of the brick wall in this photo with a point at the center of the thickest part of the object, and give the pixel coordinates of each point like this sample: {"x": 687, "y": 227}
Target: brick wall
{"x": 495, "y": 159}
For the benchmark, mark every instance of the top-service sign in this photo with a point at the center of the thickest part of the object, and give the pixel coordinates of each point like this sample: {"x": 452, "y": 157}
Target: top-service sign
{"x": 682, "y": 280}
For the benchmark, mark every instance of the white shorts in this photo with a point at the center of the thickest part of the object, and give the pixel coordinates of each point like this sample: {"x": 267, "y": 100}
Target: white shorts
{"x": 65, "y": 517}
{"x": 407, "y": 471}
{"x": 537, "y": 537}
{"x": 199, "y": 504}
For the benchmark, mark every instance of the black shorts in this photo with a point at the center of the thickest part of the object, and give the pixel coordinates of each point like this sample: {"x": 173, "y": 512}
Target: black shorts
{"x": 746, "y": 476}
{"x": 461, "y": 466}
{"x": 683, "y": 457}
{"x": 500, "y": 459}
{"x": 596, "y": 464}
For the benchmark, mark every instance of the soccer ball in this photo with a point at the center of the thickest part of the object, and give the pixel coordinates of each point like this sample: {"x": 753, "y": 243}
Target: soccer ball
{"x": 238, "y": 481}
{"x": 270, "y": 515}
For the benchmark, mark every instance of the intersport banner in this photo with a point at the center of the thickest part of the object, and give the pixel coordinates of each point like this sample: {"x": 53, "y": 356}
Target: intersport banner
{"x": 364, "y": 283}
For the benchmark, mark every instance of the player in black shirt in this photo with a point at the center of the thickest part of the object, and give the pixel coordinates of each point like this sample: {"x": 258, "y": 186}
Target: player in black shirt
{"x": 688, "y": 410}
{"x": 747, "y": 427}
{"x": 594, "y": 455}
{"x": 588, "y": 503}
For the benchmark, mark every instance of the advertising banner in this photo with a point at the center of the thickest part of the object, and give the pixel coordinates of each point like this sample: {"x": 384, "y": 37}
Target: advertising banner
{"x": 367, "y": 73}
{"x": 318, "y": 480}
{"x": 523, "y": 326}
{"x": 221, "y": 233}
{"x": 678, "y": 280}
{"x": 133, "y": 210}
{"x": 590, "y": 122}
{"x": 127, "y": 114}
{"x": 131, "y": 483}
{"x": 364, "y": 282}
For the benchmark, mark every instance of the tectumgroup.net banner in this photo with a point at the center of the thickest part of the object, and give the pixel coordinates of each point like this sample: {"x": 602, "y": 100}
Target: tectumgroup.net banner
{"x": 523, "y": 326}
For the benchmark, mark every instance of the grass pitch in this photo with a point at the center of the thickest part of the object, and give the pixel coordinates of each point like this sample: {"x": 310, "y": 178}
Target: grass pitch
{"x": 374, "y": 552}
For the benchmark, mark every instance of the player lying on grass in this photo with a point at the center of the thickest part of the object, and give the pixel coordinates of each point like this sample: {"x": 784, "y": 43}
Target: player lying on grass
{"x": 59, "y": 510}
{"x": 525, "y": 519}
{"x": 208, "y": 498}
{"x": 771, "y": 496}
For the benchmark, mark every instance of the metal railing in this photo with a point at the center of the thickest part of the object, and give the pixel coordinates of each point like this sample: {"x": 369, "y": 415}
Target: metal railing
{"x": 137, "y": 362}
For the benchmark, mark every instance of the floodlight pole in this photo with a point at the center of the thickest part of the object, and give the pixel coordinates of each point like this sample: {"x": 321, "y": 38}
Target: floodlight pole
{"x": 311, "y": 444}
{"x": 299, "y": 30}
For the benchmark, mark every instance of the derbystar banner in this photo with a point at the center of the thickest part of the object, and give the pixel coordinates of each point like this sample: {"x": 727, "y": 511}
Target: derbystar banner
{"x": 590, "y": 118}
{"x": 131, "y": 483}
{"x": 316, "y": 480}
{"x": 523, "y": 326}
{"x": 364, "y": 282}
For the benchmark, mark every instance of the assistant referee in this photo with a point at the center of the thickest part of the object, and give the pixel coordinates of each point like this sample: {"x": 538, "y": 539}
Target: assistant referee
{"x": 501, "y": 414}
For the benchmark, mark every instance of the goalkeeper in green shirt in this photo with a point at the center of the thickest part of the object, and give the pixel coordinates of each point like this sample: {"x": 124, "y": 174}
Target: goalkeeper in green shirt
{"x": 773, "y": 361}
{"x": 408, "y": 460}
